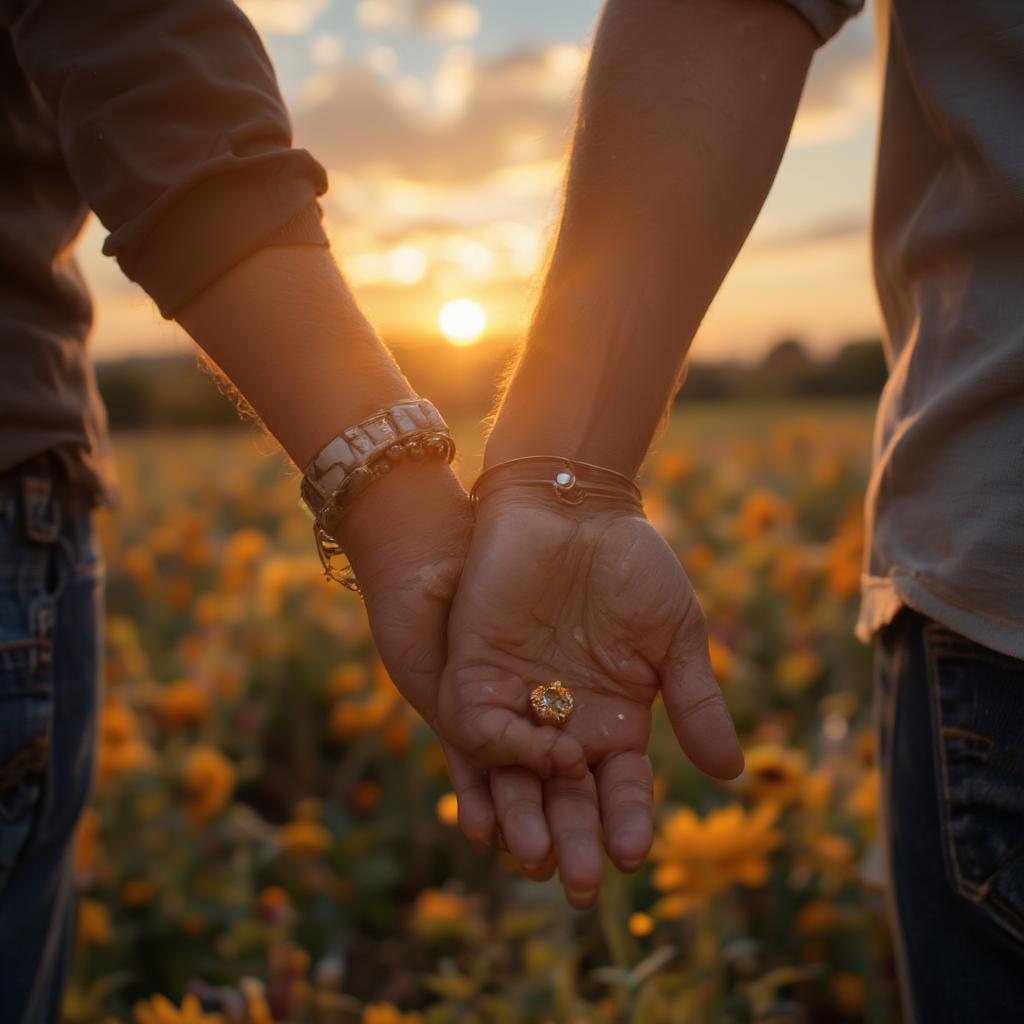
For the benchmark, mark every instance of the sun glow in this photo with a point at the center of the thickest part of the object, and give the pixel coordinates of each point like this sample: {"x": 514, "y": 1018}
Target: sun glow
{"x": 462, "y": 321}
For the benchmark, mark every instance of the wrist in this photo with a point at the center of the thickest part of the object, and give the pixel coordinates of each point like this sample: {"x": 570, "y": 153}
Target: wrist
{"x": 418, "y": 514}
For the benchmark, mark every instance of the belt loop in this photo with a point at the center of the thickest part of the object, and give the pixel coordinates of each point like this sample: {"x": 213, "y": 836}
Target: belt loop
{"x": 37, "y": 500}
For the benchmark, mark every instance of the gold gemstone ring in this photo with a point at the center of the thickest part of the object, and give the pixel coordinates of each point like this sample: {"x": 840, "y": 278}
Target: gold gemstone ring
{"x": 552, "y": 703}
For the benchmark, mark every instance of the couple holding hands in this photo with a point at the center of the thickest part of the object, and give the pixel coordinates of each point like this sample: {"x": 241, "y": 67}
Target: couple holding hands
{"x": 533, "y": 623}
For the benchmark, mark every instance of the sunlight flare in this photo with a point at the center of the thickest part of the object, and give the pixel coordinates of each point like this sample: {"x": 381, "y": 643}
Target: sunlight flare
{"x": 462, "y": 321}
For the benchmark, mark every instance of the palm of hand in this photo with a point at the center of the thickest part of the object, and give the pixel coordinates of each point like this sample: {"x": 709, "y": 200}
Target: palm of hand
{"x": 598, "y": 601}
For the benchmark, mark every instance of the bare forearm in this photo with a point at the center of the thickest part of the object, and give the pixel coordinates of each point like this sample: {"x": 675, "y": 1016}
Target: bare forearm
{"x": 286, "y": 331}
{"x": 685, "y": 115}
{"x": 284, "y": 328}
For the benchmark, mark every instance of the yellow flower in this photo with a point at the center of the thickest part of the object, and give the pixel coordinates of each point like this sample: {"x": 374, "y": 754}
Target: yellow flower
{"x": 385, "y": 1013}
{"x": 774, "y": 773}
{"x": 160, "y": 1010}
{"x": 696, "y": 857}
{"x": 305, "y": 838}
{"x": 448, "y": 809}
{"x": 182, "y": 704}
{"x": 93, "y": 924}
{"x": 209, "y": 780}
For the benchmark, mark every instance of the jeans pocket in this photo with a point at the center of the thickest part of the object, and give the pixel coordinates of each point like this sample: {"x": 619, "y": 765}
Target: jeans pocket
{"x": 26, "y": 713}
{"x": 977, "y": 700}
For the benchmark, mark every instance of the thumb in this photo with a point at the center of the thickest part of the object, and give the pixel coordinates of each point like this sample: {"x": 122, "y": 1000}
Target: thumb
{"x": 694, "y": 702}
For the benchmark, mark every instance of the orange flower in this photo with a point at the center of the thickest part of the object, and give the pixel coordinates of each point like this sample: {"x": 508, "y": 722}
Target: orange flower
{"x": 774, "y": 773}
{"x": 138, "y": 892}
{"x": 797, "y": 670}
{"x": 182, "y": 704}
{"x": 698, "y": 857}
{"x": 848, "y": 990}
{"x": 121, "y": 750}
{"x": 815, "y": 917}
{"x": 93, "y": 924}
{"x": 385, "y": 1013}
{"x": 440, "y": 915}
{"x": 305, "y": 838}
{"x": 160, "y": 1010}
{"x": 761, "y": 512}
{"x": 640, "y": 924}
{"x": 721, "y": 660}
{"x": 366, "y": 797}
{"x": 866, "y": 796}
{"x": 209, "y": 780}
{"x": 448, "y": 809}
{"x": 87, "y": 847}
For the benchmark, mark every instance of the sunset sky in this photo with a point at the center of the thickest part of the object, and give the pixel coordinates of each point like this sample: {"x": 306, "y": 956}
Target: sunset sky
{"x": 443, "y": 126}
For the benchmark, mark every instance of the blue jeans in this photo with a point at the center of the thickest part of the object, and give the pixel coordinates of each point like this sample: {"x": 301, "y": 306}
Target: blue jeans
{"x": 951, "y": 745}
{"x": 50, "y": 609}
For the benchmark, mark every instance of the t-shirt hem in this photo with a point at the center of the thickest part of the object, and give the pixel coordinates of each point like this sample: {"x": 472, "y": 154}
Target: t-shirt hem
{"x": 882, "y": 597}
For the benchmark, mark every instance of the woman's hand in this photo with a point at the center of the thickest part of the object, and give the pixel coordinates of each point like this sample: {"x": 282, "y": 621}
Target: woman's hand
{"x": 590, "y": 595}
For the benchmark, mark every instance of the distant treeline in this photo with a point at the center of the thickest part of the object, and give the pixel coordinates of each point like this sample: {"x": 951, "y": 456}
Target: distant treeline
{"x": 174, "y": 391}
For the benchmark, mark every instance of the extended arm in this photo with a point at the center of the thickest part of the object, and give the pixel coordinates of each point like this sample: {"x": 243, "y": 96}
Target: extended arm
{"x": 684, "y": 118}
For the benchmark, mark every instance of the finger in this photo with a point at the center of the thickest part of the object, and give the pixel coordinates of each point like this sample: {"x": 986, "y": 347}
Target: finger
{"x": 476, "y": 808}
{"x": 571, "y": 807}
{"x": 625, "y": 787}
{"x": 544, "y": 871}
{"x": 504, "y": 738}
{"x": 519, "y": 804}
{"x": 695, "y": 705}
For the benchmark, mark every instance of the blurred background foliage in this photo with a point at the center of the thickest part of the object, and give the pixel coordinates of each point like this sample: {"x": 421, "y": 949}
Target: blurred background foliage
{"x": 273, "y": 839}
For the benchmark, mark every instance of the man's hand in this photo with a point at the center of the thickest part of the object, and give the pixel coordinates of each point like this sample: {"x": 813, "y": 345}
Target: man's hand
{"x": 594, "y": 597}
{"x": 407, "y": 537}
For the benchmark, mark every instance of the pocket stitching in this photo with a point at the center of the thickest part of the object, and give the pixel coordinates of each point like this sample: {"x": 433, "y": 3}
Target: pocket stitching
{"x": 981, "y": 896}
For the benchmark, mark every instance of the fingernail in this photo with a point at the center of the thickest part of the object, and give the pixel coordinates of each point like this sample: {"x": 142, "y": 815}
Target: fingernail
{"x": 631, "y": 865}
{"x": 582, "y": 895}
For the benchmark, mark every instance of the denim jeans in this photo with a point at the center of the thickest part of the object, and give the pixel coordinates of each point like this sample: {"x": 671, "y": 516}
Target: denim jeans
{"x": 50, "y": 607}
{"x": 951, "y": 745}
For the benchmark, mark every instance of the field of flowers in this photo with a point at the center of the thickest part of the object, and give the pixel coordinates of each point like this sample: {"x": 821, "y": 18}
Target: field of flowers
{"x": 272, "y": 837}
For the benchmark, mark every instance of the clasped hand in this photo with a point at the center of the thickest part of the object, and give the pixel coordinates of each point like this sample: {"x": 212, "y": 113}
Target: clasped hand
{"x": 470, "y": 616}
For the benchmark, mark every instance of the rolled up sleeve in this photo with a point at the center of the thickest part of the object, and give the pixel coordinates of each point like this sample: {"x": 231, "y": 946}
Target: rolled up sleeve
{"x": 174, "y": 132}
{"x": 827, "y": 17}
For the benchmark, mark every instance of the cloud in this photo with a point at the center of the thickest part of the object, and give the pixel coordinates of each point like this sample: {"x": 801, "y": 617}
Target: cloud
{"x": 445, "y": 19}
{"x": 838, "y": 228}
{"x": 506, "y": 111}
{"x": 283, "y": 17}
{"x": 841, "y": 94}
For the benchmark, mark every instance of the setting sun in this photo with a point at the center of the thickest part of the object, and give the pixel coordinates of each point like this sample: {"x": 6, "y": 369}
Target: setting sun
{"x": 462, "y": 321}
